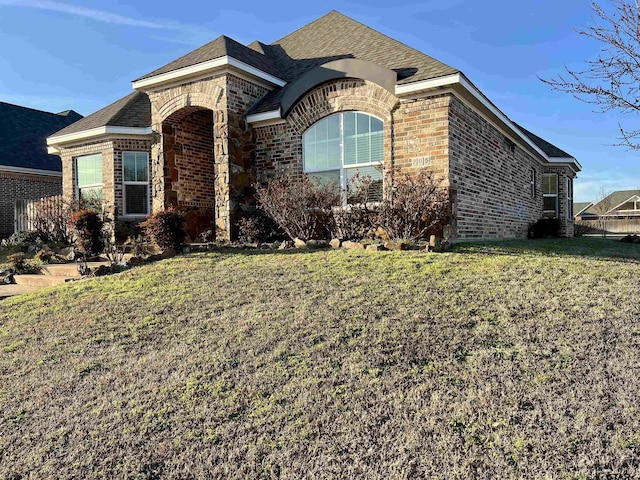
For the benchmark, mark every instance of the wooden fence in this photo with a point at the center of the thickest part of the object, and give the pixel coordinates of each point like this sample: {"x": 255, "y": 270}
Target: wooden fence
{"x": 615, "y": 225}
{"x": 29, "y": 213}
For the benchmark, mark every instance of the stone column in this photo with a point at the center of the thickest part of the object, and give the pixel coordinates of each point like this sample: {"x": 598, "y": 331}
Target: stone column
{"x": 222, "y": 174}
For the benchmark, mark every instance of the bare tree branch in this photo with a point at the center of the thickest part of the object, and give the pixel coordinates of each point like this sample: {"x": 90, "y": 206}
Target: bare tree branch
{"x": 612, "y": 80}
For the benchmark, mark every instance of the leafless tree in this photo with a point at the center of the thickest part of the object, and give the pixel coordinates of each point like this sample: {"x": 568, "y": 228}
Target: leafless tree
{"x": 604, "y": 204}
{"x": 612, "y": 80}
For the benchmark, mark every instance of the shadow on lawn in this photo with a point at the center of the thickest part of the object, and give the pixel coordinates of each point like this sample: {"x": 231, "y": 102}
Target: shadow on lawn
{"x": 601, "y": 248}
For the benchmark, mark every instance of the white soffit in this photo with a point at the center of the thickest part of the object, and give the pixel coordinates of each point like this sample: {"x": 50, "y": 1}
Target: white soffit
{"x": 97, "y": 132}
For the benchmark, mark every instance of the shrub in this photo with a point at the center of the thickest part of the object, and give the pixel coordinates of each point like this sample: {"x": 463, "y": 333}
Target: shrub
{"x": 17, "y": 261}
{"x": 414, "y": 205}
{"x": 545, "y": 227}
{"x": 301, "y": 206}
{"x": 580, "y": 229}
{"x": 256, "y": 227}
{"x": 86, "y": 226}
{"x": 23, "y": 238}
{"x": 166, "y": 229}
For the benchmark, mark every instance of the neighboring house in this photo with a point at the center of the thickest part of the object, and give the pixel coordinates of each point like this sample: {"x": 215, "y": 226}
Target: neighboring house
{"x": 618, "y": 212}
{"x": 333, "y": 98}
{"x": 27, "y": 171}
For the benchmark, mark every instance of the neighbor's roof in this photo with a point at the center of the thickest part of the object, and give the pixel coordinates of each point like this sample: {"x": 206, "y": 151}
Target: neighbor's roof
{"x": 220, "y": 47}
{"x": 134, "y": 110}
{"x": 548, "y": 148}
{"x": 23, "y": 136}
{"x": 614, "y": 199}
{"x": 335, "y": 36}
{"x": 582, "y": 208}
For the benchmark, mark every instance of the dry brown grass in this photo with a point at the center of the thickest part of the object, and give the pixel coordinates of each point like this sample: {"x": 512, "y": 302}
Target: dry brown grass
{"x": 513, "y": 360}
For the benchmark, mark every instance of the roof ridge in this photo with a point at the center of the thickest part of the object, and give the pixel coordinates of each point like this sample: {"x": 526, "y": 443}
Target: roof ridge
{"x": 398, "y": 42}
{"x": 303, "y": 26}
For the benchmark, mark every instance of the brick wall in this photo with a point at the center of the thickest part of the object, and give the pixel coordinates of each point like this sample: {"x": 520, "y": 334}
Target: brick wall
{"x": 563, "y": 172}
{"x": 490, "y": 178}
{"x": 21, "y": 186}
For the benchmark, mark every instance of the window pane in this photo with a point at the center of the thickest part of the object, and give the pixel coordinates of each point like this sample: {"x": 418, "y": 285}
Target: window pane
{"x": 142, "y": 167}
{"x": 550, "y": 204}
{"x": 366, "y": 181}
{"x": 550, "y": 184}
{"x": 136, "y": 197}
{"x": 129, "y": 166}
{"x": 350, "y": 148}
{"x": 326, "y": 177}
{"x": 377, "y": 146}
{"x": 89, "y": 170}
{"x": 90, "y": 193}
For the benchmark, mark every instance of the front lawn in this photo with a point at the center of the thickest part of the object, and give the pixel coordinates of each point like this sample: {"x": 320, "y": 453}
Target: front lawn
{"x": 496, "y": 360}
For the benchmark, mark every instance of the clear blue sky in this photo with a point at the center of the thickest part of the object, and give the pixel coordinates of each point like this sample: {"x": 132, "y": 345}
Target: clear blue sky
{"x": 59, "y": 55}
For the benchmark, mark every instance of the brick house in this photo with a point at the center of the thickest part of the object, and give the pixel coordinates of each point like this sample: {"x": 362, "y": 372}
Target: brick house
{"x": 332, "y": 98}
{"x": 27, "y": 171}
{"x": 618, "y": 212}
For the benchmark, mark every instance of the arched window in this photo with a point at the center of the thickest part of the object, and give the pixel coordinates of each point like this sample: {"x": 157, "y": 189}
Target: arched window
{"x": 345, "y": 144}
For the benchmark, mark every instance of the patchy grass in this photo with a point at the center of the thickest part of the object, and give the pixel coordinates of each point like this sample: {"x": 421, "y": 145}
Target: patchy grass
{"x": 496, "y": 360}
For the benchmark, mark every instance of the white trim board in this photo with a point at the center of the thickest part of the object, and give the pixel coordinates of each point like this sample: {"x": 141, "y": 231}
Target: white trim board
{"x": 97, "y": 132}
{"x": 31, "y": 171}
{"x": 203, "y": 67}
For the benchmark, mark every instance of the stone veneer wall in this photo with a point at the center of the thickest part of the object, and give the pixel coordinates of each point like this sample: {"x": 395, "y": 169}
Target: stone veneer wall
{"x": 22, "y": 186}
{"x": 490, "y": 179}
{"x": 227, "y": 96}
{"x": 563, "y": 172}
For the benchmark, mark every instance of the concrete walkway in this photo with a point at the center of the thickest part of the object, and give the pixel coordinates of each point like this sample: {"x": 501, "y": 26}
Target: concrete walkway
{"x": 11, "y": 290}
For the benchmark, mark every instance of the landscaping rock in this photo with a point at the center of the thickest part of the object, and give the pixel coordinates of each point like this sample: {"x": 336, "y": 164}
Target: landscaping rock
{"x": 299, "y": 243}
{"x": 352, "y": 245}
{"x": 335, "y": 243}
{"x": 132, "y": 260}
{"x": 630, "y": 239}
{"x": 275, "y": 245}
{"x": 317, "y": 244}
{"x": 286, "y": 244}
{"x": 397, "y": 246}
{"x": 375, "y": 247}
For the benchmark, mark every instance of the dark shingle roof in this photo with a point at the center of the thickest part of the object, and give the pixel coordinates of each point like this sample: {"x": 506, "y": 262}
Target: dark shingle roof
{"x": 613, "y": 200}
{"x": 578, "y": 207}
{"x": 134, "y": 110}
{"x": 336, "y": 36}
{"x": 23, "y": 136}
{"x": 220, "y": 47}
{"x": 548, "y": 148}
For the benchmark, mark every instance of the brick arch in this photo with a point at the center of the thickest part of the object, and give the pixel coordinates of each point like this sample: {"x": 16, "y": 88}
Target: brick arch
{"x": 188, "y": 102}
{"x": 343, "y": 95}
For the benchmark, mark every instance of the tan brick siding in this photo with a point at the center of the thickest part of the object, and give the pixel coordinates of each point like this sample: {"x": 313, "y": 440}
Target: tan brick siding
{"x": 490, "y": 178}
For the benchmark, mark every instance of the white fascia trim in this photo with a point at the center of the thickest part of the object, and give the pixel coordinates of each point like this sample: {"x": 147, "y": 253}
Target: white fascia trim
{"x": 565, "y": 160}
{"x": 632, "y": 197}
{"x": 52, "y": 150}
{"x": 32, "y": 171}
{"x": 96, "y": 132}
{"x": 427, "y": 84}
{"x": 458, "y": 78}
{"x": 265, "y": 116}
{"x": 204, "y": 67}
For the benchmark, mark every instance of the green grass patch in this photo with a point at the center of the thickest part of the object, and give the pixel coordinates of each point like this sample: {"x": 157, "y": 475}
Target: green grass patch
{"x": 514, "y": 359}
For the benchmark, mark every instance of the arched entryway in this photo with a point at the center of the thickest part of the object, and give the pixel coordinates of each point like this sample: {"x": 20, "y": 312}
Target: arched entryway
{"x": 189, "y": 167}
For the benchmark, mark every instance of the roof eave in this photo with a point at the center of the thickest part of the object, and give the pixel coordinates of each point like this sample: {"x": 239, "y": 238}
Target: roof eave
{"x": 149, "y": 83}
{"x": 93, "y": 133}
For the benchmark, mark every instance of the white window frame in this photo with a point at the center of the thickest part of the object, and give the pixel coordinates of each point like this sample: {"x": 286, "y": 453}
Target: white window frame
{"x": 125, "y": 183}
{"x": 93, "y": 185}
{"x": 569, "y": 198}
{"x": 342, "y": 168}
{"x": 532, "y": 181}
{"x": 550, "y": 195}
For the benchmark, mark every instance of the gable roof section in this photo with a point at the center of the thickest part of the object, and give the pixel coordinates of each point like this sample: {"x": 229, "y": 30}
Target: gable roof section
{"x": 220, "y": 47}
{"x": 23, "y": 133}
{"x": 582, "y": 208}
{"x": 614, "y": 200}
{"x": 335, "y": 36}
{"x": 132, "y": 111}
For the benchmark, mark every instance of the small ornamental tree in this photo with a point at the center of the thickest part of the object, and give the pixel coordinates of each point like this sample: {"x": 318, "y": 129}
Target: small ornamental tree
{"x": 86, "y": 226}
{"x": 166, "y": 228}
{"x": 300, "y": 205}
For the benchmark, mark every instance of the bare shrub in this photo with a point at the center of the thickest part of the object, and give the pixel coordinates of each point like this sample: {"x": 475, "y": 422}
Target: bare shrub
{"x": 580, "y": 229}
{"x": 414, "y": 205}
{"x": 359, "y": 217}
{"x": 300, "y": 205}
{"x": 166, "y": 228}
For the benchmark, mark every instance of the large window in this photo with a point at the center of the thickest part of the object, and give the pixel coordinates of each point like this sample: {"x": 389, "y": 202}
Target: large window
{"x": 135, "y": 182}
{"x": 550, "y": 195}
{"x": 89, "y": 177}
{"x": 344, "y": 145}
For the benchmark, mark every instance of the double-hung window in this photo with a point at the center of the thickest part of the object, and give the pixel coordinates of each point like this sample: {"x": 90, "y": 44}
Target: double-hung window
{"x": 343, "y": 145}
{"x": 569, "y": 198}
{"x": 135, "y": 182}
{"x": 89, "y": 177}
{"x": 550, "y": 195}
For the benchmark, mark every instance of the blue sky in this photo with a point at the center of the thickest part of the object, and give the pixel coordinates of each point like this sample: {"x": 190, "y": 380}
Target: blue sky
{"x": 59, "y": 55}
